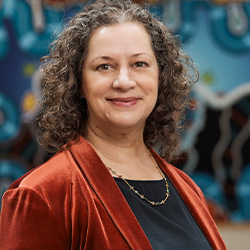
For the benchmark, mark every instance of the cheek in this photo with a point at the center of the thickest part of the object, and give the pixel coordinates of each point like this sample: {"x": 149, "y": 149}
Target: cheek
{"x": 86, "y": 84}
{"x": 85, "y": 93}
{"x": 153, "y": 87}
{"x": 86, "y": 89}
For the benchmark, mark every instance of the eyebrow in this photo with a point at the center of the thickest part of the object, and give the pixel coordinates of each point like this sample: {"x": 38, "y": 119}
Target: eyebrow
{"x": 138, "y": 54}
{"x": 111, "y": 58}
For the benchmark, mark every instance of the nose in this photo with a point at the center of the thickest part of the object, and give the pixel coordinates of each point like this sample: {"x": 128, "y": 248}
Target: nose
{"x": 123, "y": 80}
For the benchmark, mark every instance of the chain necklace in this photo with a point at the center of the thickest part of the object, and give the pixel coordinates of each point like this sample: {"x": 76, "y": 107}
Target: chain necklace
{"x": 154, "y": 203}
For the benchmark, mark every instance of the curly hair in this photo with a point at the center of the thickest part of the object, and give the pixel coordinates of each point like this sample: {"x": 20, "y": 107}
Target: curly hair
{"x": 64, "y": 114}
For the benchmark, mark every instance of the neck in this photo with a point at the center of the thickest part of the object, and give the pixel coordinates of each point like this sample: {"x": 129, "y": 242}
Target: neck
{"x": 127, "y": 144}
{"x": 126, "y": 154}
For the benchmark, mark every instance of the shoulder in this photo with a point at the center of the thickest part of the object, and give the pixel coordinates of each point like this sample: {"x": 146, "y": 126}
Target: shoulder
{"x": 56, "y": 172}
{"x": 48, "y": 187}
{"x": 43, "y": 195}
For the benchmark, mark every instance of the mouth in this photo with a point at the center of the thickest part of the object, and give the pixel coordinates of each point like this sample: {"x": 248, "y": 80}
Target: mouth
{"x": 125, "y": 102}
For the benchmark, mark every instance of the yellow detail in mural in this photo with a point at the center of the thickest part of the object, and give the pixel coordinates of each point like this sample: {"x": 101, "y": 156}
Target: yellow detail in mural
{"x": 29, "y": 69}
{"x": 207, "y": 77}
{"x": 29, "y": 102}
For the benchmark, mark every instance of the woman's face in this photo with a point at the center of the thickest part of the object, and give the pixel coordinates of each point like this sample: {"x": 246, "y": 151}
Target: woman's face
{"x": 120, "y": 77}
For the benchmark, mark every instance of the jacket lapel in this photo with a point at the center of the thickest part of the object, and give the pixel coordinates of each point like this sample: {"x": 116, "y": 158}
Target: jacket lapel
{"x": 193, "y": 201}
{"x": 110, "y": 195}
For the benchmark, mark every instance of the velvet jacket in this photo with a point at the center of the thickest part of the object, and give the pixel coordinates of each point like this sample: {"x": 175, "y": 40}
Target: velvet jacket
{"x": 72, "y": 202}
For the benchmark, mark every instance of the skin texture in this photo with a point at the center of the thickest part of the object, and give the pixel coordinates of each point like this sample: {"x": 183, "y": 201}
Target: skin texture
{"x": 120, "y": 85}
{"x": 120, "y": 78}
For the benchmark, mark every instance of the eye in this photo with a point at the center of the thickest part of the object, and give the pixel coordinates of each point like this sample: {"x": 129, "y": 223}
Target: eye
{"x": 104, "y": 67}
{"x": 140, "y": 64}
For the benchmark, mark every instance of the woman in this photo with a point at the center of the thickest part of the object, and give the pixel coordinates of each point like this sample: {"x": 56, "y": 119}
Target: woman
{"x": 115, "y": 85}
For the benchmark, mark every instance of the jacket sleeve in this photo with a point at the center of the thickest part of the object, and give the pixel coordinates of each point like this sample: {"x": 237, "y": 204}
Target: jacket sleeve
{"x": 28, "y": 222}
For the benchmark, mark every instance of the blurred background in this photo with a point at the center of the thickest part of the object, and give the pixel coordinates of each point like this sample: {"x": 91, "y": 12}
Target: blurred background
{"x": 216, "y": 145}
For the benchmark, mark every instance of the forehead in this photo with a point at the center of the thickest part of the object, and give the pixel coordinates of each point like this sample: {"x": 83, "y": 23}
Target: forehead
{"x": 125, "y": 36}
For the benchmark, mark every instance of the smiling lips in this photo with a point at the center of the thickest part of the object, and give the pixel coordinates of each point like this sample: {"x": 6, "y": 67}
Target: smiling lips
{"x": 126, "y": 102}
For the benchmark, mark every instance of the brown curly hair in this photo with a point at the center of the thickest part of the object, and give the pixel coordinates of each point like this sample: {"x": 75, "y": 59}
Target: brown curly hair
{"x": 64, "y": 114}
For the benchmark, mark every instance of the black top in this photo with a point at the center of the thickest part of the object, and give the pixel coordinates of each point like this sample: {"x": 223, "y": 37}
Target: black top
{"x": 170, "y": 226}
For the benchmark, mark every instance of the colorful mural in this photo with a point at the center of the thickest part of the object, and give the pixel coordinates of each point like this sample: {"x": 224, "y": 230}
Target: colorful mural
{"x": 216, "y": 145}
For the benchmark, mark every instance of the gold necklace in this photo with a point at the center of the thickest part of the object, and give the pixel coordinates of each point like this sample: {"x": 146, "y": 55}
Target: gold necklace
{"x": 154, "y": 203}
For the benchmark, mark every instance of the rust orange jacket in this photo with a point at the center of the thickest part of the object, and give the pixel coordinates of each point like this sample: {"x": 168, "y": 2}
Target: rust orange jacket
{"x": 72, "y": 202}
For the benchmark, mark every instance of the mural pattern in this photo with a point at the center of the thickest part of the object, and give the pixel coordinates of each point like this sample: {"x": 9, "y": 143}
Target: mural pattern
{"x": 216, "y": 145}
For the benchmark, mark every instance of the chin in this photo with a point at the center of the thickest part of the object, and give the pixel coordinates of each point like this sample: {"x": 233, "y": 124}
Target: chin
{"x": 128, "y": 124}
